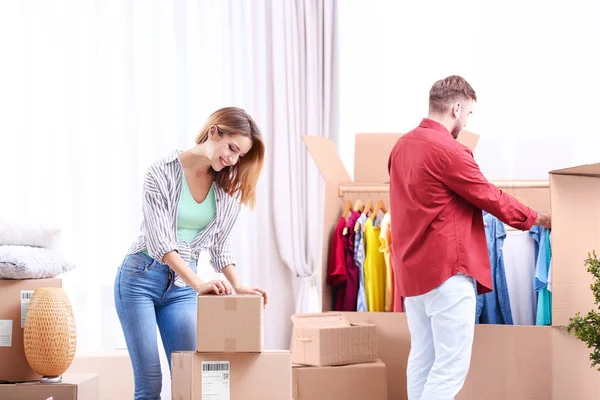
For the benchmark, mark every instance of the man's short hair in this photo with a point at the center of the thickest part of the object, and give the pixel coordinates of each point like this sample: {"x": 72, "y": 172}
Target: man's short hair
{"x": 448, "y": 90}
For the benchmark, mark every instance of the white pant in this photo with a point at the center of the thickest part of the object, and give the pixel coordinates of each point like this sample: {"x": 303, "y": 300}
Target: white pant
{"x": 441, "y": 324}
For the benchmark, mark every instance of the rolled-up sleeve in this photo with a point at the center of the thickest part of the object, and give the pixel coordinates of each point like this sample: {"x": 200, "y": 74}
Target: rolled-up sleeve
{"x": 160, "y": 237}
{"x": 462, "y": 175}
{"x": 220, "y": 252}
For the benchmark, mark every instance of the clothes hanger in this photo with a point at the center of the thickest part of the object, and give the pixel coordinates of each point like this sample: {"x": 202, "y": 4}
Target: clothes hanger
{"x": 358, "y": 207}
{"x": 378, "y": 206}
{"x": 368, "y": 207}
{"x": 348, "y": 208}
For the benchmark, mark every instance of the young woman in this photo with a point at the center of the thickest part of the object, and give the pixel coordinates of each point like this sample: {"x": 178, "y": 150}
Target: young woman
{"x": 191, "y": 200}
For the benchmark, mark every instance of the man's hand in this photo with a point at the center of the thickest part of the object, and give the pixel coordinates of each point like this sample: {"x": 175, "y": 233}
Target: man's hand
{"x": 544, "y": 220}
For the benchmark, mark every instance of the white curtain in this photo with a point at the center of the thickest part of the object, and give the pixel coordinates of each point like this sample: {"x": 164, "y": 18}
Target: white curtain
{"x": 304, "y": 45}
{"x": 93, "y": 91}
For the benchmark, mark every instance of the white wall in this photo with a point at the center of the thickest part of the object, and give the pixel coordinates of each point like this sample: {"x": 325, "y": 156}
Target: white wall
{"x": 533, "y": 64}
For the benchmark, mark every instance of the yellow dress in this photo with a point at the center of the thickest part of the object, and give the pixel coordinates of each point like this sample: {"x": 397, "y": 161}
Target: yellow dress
{"x": 385, "y": 240}
{"x": 374, "y": 269}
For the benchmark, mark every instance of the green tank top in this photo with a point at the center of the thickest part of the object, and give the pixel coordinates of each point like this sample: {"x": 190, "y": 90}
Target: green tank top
{"x": 193, "y": 217}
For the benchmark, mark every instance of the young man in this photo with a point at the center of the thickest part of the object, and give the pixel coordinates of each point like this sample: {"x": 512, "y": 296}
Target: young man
{"x": 437, "y": 194}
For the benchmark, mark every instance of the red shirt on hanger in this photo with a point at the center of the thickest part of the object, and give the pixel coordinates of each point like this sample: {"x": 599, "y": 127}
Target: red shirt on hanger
{"x": 336, "y": 270}
{"x": 437, "y": 194}
{"x": 351, "y": 294}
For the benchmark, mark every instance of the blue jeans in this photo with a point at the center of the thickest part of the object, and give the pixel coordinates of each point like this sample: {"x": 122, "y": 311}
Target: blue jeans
{"x": 146, "y": 296}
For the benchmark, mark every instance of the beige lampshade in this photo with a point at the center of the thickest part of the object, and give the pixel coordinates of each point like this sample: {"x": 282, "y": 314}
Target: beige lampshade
{"x": 50, "y": 336}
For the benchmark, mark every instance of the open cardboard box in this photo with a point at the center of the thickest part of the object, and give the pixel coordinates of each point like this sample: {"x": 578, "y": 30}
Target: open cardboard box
{"x": 330, "y": 339}
{"x": 550, "y": 364}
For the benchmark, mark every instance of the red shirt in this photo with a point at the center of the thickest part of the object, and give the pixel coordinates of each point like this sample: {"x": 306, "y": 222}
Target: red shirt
{"x": 351, "y": 294}
{"x": 437, "y": 194}
{"x": 336, "y": 270}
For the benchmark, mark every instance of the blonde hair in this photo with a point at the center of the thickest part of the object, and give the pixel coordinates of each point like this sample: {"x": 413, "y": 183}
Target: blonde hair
{"x": 238, "y": 180}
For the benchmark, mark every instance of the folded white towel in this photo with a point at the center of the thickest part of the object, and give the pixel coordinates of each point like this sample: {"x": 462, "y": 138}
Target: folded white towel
{"x": 25, "y": 262}
{"x": 29, "y": 232}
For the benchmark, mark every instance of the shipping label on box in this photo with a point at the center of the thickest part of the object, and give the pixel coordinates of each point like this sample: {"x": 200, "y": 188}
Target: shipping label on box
{"x": 215, "y": 380}
{"x": 25, "y": 300}
{"x": 5, "y": 333}
{"x": 230, "y": 324}
{"x": 329, "y": 339}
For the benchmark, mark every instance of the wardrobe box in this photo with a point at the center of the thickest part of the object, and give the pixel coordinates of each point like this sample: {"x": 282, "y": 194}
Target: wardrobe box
{"x": 355, "y": 381}
{"x": 230, "y": 324}
{"x": 72, "y": 387}
{"x": 371, "y": 154}
{"x": 329, "y": 339}
{"x": 551, "y": 364}
{"x": 14, "y": 298}
{"x": 198, "y": 376}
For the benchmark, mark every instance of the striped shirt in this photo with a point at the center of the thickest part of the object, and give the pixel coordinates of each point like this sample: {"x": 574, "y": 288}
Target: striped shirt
{"x": 161, "y": 193}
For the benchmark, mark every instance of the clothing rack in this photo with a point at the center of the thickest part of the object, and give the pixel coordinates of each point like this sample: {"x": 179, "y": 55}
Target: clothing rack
{"x": 385, "y": 187}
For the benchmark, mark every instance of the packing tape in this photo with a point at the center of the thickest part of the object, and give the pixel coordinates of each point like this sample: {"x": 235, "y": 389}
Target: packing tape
{"x": 230, "y": 345}
{"x": 231, "y": 304}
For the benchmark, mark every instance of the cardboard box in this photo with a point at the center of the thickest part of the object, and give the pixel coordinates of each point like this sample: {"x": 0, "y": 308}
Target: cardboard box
{"x": 551, "y": 364}
{"x": 115, "y": 373}
{"x": 230, "y": 324}
{"x": 329, "y": 339}
{"x": 575, "y": 195}
{"x": 348, "y": 382}
{"x": 393, "y": 346}
{"x": 265, "y": 376}
{"x": 14, "y": 298}
{"x": 72, "y": 387}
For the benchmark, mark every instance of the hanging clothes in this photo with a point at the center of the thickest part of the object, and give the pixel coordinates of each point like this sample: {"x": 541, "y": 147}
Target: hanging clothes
{"x": 359, "y": 257}
{"x": 336, "y": 269}
{"x": 351, "y": 292}
{"x": 542, "y": 267}
{"x": 519, "y": 263}
{"x": 374, "y": 267}
{"x": 385, "y": 242}
{"x": 494, "y": 307}
{"x": 549, "y": 285}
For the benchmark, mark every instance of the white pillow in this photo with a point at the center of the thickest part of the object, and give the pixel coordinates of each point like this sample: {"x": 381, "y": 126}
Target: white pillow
{"x": 29, "y": 231}
{"x": 24, "y": 262}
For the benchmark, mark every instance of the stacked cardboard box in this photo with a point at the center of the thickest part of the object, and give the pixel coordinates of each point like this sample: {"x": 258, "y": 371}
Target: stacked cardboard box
{"x": 334, "y": 359}
{"x": 230, "y": 361}
{"x": 72, "y": 387}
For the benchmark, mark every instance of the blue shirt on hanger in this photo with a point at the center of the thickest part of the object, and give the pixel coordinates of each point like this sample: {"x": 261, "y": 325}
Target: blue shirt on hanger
{"x": 494, "y": 307}
{"x": 540, "y": 281}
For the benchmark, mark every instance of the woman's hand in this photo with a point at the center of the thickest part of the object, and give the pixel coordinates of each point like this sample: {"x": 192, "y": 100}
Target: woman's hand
{"x": 252, "y": 290}
{"x": 216, "y": 287}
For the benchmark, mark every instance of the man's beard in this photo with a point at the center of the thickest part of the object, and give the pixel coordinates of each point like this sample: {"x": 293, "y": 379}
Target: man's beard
{"x": 456, "y": 129}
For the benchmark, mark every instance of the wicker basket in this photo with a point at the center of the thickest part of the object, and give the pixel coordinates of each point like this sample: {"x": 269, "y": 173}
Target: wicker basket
{"x": 50, "y": 336}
